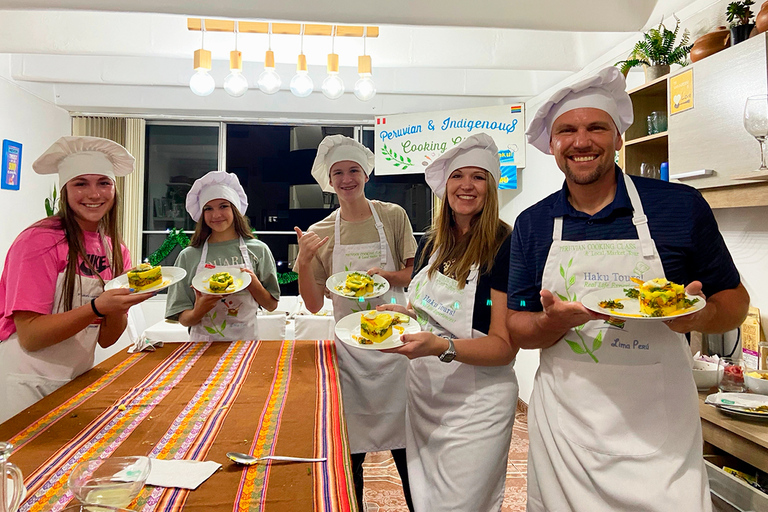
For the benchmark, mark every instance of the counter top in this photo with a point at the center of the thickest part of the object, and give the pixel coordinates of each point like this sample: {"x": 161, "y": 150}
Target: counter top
{"x": 743, "y": 438}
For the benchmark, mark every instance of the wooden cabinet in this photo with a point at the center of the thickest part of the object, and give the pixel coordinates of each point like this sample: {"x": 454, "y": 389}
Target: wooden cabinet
{"x": 711, "y": 135}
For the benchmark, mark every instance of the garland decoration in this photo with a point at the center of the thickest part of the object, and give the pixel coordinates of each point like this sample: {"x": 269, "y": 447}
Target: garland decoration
{"x": 175, "y": 237}
{"x": 287, "y": 277}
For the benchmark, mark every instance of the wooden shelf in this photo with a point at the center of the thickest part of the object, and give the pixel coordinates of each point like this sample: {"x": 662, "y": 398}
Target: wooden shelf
{"x": 652, "y": 88}
{"x": 737, "y": 196}
{"x": 656, "y": 138}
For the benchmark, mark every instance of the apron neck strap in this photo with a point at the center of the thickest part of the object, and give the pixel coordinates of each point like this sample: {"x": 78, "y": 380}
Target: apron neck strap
{"x": 638, "y": 219}
{"x": 379, "y": 228}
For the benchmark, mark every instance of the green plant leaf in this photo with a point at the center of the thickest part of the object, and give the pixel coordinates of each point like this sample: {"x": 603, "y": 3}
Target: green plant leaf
{"x": 223, "y": 325}
{"x": 210, "y": 329}
{"x": 576, "y": 347}
{"x": 570, "y": 262}
{"x": 562, "y": 297}
{"x": 562, "y": 272}
{"x": 598, "y": 341}
{"x": 213, "y": 317}
{"x": 572, "y": 280}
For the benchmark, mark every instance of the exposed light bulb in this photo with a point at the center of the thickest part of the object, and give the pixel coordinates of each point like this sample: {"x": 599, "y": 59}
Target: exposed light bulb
{"x": 235, "y": 84}
{"x": 365, "y": 89}
{"x": 301, "y": 83}
{"x": 202, "y": 83}
{"x": 269, "y": 81}
{"x": 333, "y": 86}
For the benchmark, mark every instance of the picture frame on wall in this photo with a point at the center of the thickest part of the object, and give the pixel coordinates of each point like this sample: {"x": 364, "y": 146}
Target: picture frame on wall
{"x": 11, "y": 166}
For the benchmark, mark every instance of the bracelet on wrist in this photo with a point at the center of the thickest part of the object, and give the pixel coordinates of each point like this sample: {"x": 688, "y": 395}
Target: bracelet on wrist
{"x": 96, "y": 311}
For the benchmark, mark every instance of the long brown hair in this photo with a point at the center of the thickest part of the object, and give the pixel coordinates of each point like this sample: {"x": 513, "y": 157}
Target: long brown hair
{"x": 203, "y": 231}
{"x": 66, "y": 220}
{"x": 477, "y": 247}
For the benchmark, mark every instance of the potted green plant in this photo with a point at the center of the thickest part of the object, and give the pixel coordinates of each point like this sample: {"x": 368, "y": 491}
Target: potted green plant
{"x": 739, "y": 15}
{"x": 657, "y": 51}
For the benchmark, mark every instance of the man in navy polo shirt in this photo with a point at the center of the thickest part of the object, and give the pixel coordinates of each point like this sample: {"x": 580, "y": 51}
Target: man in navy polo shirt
{"x": 613, "y": 419}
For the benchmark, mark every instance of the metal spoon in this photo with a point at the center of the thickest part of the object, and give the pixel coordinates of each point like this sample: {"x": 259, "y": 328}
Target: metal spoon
{"x": 242, "y": 458}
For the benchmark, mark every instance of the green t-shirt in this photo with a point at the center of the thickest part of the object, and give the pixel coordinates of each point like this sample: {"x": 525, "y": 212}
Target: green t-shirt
{"x": 181, "y": 296}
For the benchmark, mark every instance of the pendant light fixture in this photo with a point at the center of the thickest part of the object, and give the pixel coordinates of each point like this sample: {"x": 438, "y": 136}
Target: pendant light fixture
{"x": 301, "y": 83}
{"x": 235, "y": 84}
{"x": 333, "y": 85}
{"x": 201, "y": 82}
{"x": 365, "y": 89}
{"x": 269, "y": 81}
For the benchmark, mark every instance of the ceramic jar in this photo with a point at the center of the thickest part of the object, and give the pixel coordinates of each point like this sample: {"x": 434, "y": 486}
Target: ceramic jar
{"x": 761, "y": 21}
{"x": 710, "y": 43}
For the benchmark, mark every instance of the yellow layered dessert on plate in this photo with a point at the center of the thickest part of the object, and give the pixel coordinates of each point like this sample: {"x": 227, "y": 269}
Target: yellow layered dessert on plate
{"x": 144, "y": 276}
{"x": 221, "y": 282}
{"x": 357, "y": 284}
{"x": 659, "y": 297}
{"x": 375, "y": 327}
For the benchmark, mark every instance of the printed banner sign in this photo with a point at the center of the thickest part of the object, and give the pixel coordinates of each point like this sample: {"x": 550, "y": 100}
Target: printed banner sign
{"x": 11, "y": 173}
{"x": 408, "y": 143}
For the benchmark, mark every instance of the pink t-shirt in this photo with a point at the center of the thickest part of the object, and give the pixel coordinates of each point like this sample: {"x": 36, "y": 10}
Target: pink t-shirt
{"x": 34, "y": 261}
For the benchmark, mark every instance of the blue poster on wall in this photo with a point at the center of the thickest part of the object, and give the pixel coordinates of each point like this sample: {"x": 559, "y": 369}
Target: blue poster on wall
{"x": 11, "y": 175}
{"x": 508, "y": 178}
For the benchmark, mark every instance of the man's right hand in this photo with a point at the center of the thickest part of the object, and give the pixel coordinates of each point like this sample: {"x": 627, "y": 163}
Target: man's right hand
{"x": 309, "y": 243}
{"x": 559, "y": 316}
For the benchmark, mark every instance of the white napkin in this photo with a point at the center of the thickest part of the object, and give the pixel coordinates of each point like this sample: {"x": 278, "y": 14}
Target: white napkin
{"x": 184, "y": 474}
{"x": 142, "y": 344}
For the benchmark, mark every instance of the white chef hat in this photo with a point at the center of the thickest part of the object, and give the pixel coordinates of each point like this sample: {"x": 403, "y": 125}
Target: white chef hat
{"x": 478, "y": 150}
{"x": 338, "y": 148}
{"x": 605, "y": 91}
{"x": 216, "y": 185}
{"x": 70, "y": 157}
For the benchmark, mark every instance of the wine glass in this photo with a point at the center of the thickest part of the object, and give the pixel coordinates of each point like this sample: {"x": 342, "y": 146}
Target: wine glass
{"x": 756, "y": 122}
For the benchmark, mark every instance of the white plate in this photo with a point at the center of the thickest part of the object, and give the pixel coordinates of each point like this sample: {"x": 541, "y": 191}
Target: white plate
{"x": 349, "y": 326}
{"x": 241, "y": 280}
{"x": 733, "y": 403}
{"x": 335, "y": 284}
{"x": 631, "y": 309}
{"x": 171, "y": 275}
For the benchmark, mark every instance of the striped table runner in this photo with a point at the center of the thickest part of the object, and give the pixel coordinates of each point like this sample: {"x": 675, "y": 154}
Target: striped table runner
{"x": 198, "y": 401}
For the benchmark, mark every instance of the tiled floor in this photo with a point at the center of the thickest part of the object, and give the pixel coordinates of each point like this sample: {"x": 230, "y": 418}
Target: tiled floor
{"x": 383, "y": 492}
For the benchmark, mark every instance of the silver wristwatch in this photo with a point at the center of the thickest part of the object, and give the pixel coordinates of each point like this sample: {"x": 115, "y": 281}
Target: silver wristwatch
{"x": 450, "y": 354}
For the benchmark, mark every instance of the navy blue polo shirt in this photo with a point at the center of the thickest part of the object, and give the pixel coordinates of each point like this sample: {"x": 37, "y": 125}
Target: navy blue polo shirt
{"x": 680, "y": 220}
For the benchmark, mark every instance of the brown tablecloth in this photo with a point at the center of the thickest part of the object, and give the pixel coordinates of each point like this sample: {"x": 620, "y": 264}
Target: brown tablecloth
{"x": 198, "y": 401}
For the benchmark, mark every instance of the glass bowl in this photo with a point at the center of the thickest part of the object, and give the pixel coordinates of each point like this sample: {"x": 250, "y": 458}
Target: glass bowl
{"x": 80, "y": 507}
{"x": 115, "y": 481}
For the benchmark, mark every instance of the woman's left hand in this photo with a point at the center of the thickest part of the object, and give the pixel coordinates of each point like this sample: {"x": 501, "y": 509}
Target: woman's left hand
{"x": 420, "y": 344}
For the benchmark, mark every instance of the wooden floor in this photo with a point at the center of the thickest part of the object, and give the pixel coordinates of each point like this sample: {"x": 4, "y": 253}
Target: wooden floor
{"x": 384, "y": 493}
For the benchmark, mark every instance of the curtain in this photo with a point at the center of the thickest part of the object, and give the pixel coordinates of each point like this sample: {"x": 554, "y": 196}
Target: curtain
{"x": 130, "y": 133}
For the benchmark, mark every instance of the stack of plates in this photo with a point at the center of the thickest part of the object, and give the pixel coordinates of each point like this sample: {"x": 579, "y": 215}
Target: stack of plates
{"x": 740, "y": 404}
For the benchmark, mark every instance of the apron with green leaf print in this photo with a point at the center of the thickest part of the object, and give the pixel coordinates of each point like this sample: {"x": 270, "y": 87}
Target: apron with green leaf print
{"x": 460, "y": 416}
{"x": 613, "y": 419}
{"x": 233, "y": 317}
{"x": 372, "y": 382}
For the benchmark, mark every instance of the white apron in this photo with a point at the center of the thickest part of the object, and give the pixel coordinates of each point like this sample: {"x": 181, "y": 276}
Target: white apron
{"x": 234, "y": 316}
{"x": 372, "y": 383}
{"x": 459, "y": 416}
{"x": 613, "y": 419}
{"x": 26, "y": 377}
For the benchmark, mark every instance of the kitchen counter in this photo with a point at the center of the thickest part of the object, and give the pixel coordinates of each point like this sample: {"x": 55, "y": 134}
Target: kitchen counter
{"x": 743, "y": 438}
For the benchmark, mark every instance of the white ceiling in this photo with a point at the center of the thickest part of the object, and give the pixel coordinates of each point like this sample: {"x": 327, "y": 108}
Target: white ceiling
{"x": 135, "y": 57}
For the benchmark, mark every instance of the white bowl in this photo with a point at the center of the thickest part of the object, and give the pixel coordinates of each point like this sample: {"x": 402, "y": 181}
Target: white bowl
{"x": 756, "y": 385}
{"x": 705, "y": 375}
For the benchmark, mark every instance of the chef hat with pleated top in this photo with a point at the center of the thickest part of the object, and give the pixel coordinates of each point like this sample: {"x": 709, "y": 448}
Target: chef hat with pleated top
{"x": 338, "y": 148}
{"x": 70, "y": 157}
{"x": 216, "y": 185}
{"x": 605, "y": 91}
{"x": 477, "y": 150}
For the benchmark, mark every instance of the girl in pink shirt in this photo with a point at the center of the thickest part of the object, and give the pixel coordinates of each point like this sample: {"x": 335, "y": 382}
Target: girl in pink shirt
{"x": 54, "y": 307}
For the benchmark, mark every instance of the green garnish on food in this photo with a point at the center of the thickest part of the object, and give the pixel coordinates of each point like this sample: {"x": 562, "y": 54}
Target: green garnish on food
{"x": 687, "y": 303}
{"x": 632, "y": 293}
{"x": 610, "y": 304}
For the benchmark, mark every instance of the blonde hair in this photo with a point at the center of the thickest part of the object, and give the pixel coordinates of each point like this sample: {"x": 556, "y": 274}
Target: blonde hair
{"x": 478, "y": 247}
{"x": 66, "y": 220}
{"x": 203, "y": 230}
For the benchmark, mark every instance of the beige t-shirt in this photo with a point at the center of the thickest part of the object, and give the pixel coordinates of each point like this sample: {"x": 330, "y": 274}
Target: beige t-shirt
{"x": 397, "y": 229}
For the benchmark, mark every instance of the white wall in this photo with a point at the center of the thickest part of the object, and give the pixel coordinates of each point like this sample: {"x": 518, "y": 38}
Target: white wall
{"x": 542, "y": 177}
{"x": 35, "y": 122}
